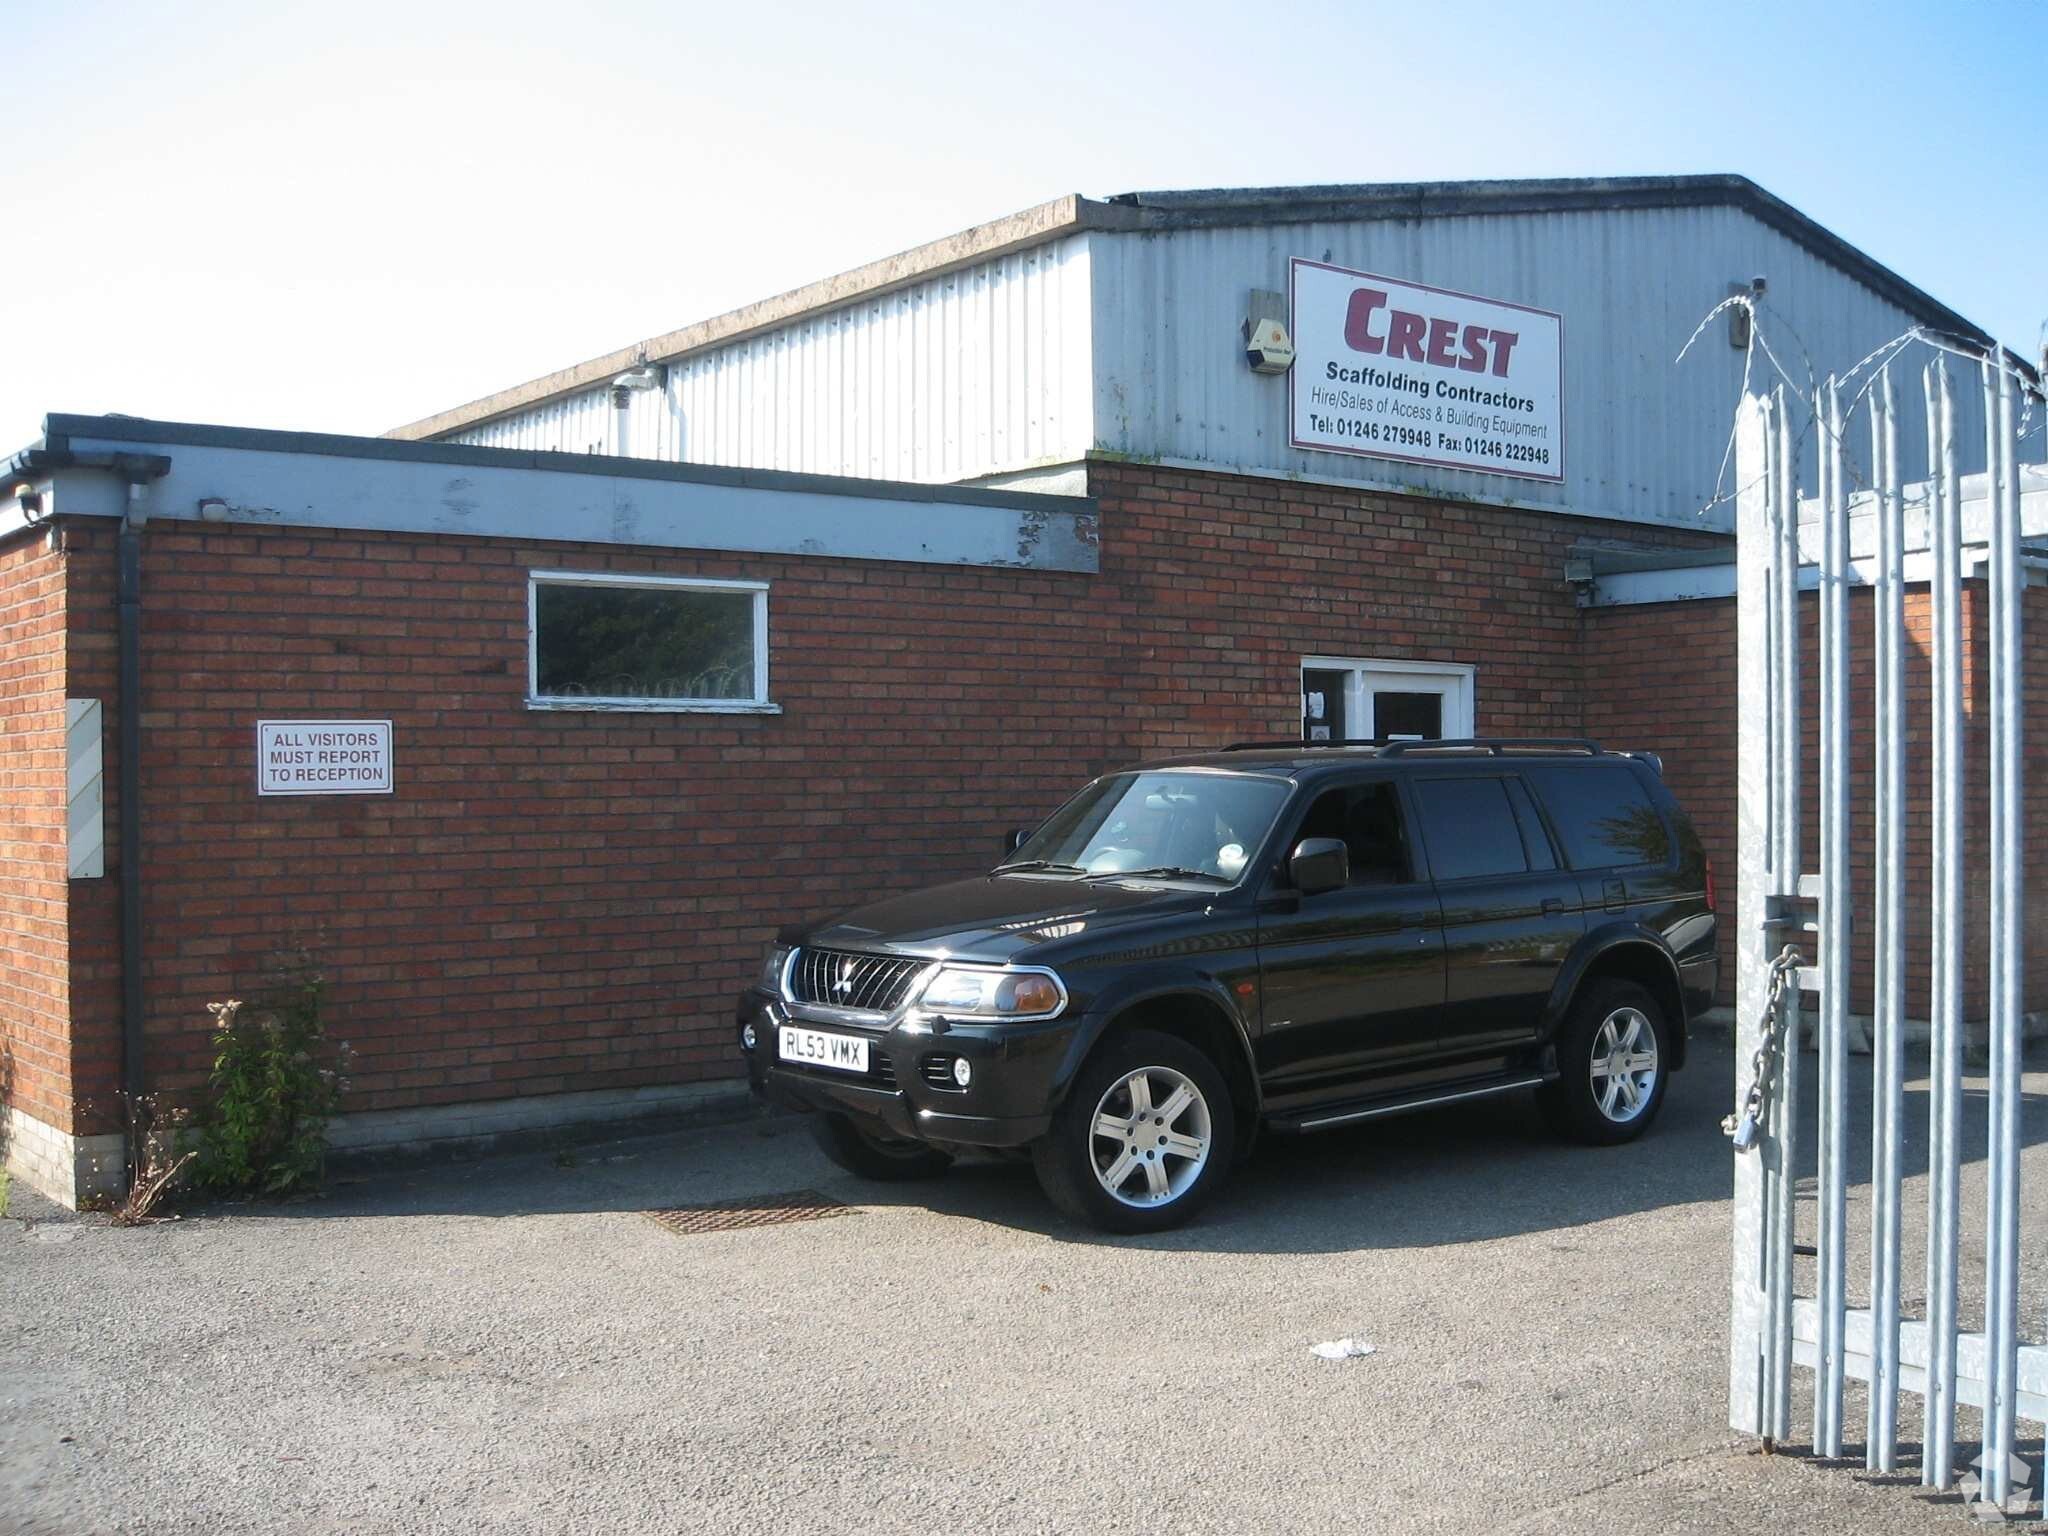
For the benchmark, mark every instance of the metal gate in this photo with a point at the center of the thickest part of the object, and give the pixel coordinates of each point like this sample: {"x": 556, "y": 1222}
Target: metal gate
{"x": 1936, "y": 533}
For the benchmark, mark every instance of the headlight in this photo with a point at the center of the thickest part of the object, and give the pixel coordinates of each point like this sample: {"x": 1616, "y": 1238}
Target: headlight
{"x": 967, "y": 992}
{"x": 770, "y": 979}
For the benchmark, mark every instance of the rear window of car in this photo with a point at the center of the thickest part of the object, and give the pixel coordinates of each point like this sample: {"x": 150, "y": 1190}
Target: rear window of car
{"x": 1470, "y": 828}
{"x": 1603, "y": 815}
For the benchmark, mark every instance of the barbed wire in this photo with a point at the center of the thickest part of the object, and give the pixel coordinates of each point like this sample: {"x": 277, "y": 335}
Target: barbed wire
{"x": 1878, "y": 359}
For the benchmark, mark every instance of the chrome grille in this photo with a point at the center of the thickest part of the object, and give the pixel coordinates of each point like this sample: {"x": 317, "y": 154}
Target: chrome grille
{"x": 840, "y": 978}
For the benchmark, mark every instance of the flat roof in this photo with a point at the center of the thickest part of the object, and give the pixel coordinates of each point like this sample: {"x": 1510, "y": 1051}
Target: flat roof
{"x": 60, "y": 429}
{"x": 258, "y": 478}
{"x": 1214, "y": 208}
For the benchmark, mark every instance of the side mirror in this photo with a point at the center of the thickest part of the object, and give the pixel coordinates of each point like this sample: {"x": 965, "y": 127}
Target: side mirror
{"x": 1320, "y": 864}
{"x": 1014, "y": 839}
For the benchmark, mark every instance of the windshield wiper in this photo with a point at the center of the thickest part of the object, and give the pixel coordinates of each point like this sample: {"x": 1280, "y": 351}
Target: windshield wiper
{"x": 1041, "y": 864}
{"x": 1160, "y": 871}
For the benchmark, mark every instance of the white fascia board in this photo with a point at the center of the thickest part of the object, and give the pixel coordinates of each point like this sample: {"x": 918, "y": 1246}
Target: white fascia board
{"x": 275, "y": 488}
{"x": 1975, "y": 507}
{"x": 1624, "y": 589}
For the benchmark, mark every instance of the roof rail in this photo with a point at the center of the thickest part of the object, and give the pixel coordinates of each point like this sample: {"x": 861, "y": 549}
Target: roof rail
{"x": 1498, "y": 746}
{"x": 1295, "y": 744}
{"x": 1385, "y": 747}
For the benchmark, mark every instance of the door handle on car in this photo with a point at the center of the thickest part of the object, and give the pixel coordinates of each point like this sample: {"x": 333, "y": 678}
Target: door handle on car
{"x": 1614, "y": 894}
{"x": 1553, "y": 906}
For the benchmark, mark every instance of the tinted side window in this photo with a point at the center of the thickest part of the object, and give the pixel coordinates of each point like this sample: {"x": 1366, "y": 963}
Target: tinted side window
{"x": 1603, "y": 815}
{"x": 1367, "y": 817}
{"x": 1470, "y": 828}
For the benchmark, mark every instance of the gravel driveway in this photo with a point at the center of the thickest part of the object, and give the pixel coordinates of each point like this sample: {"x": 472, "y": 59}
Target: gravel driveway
{"x": 509, "y": 1345}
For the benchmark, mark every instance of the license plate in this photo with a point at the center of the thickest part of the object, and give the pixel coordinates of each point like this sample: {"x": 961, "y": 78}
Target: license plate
{"x": 815, "y": 1048}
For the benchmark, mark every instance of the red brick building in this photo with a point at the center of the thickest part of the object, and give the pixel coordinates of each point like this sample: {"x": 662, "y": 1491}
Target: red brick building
{"x": 538, "y": 859}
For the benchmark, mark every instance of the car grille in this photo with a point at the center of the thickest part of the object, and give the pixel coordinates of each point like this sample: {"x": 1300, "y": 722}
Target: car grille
{"x": 839, "y": 978}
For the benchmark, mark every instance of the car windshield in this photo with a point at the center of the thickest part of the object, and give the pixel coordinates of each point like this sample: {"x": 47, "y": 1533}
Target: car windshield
{"x": 1184, "y": 826}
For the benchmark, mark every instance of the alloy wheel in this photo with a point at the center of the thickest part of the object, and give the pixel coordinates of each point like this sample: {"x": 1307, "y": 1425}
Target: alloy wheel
{"x": 1624, "y": 1064}
{"x": 1149, "y": 1139}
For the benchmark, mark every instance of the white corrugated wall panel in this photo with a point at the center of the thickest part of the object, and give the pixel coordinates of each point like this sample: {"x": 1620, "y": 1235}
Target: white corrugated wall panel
{"x": 1643, "y": 436}
{"x": 971, "y": 373}
{"x": 576, "y": 424}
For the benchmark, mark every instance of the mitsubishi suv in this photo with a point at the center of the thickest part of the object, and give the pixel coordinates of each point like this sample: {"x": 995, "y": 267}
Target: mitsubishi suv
{"x": 1278, "y": 937}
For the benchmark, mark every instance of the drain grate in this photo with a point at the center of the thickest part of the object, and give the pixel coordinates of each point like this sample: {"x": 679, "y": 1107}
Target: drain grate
{"x": 754, "y": 1211}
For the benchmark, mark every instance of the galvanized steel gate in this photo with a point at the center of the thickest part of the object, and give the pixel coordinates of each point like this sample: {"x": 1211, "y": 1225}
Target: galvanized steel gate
{"x": 1781, "y": 904}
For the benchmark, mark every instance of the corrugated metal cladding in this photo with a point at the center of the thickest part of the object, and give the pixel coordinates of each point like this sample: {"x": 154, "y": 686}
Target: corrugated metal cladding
{"x": 1130, "y": 342}
{"x": 962, "y": 375}
{"x": 1643, "y": 437}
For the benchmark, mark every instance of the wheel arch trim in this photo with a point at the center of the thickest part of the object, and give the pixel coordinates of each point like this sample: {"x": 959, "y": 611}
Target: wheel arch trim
{"x": 1111, "y": 1007}
{"x": 1645, "y": 950}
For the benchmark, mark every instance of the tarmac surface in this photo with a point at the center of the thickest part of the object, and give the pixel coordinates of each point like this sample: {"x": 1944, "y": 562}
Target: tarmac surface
{"x": 511, "y": 1345}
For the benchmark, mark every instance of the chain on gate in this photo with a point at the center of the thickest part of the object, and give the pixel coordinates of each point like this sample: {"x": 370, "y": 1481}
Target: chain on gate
{"x": 1746, "y": 1123}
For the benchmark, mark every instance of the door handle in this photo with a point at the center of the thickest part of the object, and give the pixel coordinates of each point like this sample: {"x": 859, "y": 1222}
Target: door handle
{"x": 1614, "y": 894}
{"x": 1553, "y": 906}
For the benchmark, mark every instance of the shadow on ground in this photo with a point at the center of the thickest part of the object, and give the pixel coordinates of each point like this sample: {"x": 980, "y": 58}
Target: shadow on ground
{"x": 1460, "y": 1174}
{"x": 2022, "y": 1513}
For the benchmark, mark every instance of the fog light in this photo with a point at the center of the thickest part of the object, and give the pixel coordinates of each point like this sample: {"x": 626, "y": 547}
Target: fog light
{"x": 747, "y": 1037}
{"x": 963, "y": 1071}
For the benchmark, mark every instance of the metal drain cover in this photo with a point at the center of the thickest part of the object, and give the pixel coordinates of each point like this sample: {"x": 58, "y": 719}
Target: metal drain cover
{"x": 753, "y": 1211}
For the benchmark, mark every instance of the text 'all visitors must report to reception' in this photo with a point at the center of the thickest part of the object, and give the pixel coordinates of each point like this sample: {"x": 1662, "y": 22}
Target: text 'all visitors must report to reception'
{"x": 323, "y": 757}
{"x": 1399, "y": 370}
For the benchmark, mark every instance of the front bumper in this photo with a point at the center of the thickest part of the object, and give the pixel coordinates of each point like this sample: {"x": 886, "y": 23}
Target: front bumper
{"x": 1008, "y": 1103}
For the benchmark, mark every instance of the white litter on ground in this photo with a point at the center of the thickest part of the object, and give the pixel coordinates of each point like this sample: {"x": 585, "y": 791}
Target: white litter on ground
{"x": 1341, "y": 1349}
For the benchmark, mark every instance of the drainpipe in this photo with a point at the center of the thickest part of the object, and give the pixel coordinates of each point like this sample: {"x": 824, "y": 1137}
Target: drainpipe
{"x": 133, "y": 1077}
{"x": 622, "y": 421}
{"x": 642, "y": 376}
{"x": 137, "y": 471}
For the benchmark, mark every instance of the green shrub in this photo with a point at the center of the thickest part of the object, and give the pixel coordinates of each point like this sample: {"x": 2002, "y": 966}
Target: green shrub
{"x": 276, "y": 1082}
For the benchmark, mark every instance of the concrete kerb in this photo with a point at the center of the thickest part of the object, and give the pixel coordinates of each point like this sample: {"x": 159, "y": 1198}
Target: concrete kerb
{"x": 461, "y": 1132}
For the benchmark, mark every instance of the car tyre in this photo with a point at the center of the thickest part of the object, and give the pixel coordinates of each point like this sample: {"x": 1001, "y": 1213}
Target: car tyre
{"x": 1143, "y": 1140}
{"x": 1614, "y": 1060}
{"x": 868, "y": 1155}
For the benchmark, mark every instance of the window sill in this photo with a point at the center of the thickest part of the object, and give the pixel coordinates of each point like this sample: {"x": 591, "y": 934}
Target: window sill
{"x": 656, "y": 706}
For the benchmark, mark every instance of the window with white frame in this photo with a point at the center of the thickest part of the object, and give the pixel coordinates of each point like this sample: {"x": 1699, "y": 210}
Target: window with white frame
{"x": 599, "y": 641}
{"x": 1351, "y": 700}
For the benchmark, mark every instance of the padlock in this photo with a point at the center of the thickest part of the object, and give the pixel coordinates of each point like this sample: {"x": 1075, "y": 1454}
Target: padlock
{"x": 1745, "y": 1132}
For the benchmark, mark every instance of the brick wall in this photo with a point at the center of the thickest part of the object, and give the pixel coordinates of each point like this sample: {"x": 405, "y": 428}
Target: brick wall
{"x": 34, "y": 984}
{"x": 1658, "y": 675}
{"x": 1227, "y": 582}
{"x": 569, "y": 900}
{"x": 551, "y": 900}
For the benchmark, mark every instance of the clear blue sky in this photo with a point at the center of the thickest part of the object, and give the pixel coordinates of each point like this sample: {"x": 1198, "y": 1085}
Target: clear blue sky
{"x": 342, "y": 217}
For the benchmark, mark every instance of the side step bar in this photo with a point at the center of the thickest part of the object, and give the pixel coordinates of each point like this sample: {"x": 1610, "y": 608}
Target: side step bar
{"x": 1427, "y": 1098}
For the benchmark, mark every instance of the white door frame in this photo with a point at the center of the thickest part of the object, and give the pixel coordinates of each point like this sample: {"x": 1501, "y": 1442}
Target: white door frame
{"x": 1450, "y": 680}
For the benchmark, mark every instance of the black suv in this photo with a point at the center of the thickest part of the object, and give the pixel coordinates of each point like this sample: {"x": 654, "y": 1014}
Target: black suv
{"x": 1278, "y": 935}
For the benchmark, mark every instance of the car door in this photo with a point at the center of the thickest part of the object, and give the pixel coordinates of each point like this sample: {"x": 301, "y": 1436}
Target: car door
{"x": 1350, "y": 980}
{"x": 1511, "y": 911}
